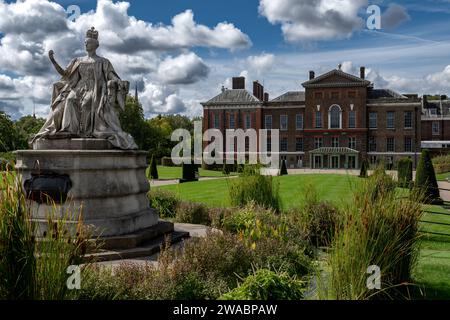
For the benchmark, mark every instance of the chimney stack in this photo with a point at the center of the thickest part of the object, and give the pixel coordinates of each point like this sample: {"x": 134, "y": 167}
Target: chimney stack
{"x": 258, "y": 90}
{"x": 362, "y": 72}
{"x": 311, "y": 75}
{"x": 238, "y": 82}
{"x": 266, "y": 97}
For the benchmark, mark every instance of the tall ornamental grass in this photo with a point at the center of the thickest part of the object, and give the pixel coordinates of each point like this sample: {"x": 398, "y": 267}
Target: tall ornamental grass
{"x": 252, "y": 187}
{"x": 33, "y": 267}
{"x": 381, "y": 229}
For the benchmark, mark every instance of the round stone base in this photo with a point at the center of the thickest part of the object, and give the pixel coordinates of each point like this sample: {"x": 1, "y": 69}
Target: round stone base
{"x": 107, "y": 187}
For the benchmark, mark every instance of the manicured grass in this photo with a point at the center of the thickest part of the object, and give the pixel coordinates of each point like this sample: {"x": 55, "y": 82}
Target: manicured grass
{"x": 169, "y": 173}
{"x": 334, "y": 188}
{"x": 443, "y": 176}
{"x": 433, "y": 269}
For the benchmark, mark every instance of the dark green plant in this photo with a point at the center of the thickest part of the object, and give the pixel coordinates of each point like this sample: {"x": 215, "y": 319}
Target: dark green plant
{"x": 251, "y": 186}
{"x": 405, "y": 172}
{"x": 426, "y": 178}
{"x": 283, "y": 170}
{"x": 364, "y": 168}
{"x": 165, "y": 202}
{"x": 153, "y": 169}
{"x": 226, "y": 169}
{"x": 267, "y": 285}
{"x": 190, "y": 172}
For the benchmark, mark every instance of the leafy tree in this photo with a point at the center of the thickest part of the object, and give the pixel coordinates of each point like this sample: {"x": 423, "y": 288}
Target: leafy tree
{"x": 26, "y": 128}
{"x": 426, "y": 178}
{"x": 8, "y": 134}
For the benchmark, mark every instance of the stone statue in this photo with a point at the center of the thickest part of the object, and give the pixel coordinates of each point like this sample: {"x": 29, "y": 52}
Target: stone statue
{"x": 84, "y": 100}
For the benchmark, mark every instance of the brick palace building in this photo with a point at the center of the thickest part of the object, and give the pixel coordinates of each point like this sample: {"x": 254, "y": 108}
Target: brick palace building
{"x": 336, "y": 121}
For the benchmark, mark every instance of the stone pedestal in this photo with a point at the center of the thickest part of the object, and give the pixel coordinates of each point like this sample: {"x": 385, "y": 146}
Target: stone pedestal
{"x": 108, "y": 186}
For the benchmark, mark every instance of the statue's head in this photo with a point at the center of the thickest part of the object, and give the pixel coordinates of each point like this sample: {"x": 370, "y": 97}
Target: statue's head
{"x": 91, "y": 41}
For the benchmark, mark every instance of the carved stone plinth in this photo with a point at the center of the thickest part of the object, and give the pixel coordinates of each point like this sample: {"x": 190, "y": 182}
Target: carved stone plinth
{"x": 108, "y": 186}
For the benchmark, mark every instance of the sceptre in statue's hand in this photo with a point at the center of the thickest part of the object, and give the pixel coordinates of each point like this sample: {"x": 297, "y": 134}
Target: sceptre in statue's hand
{"x": 58, "y": 68}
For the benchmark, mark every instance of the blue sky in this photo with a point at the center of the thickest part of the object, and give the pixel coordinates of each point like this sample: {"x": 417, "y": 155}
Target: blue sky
{"x": 178, "y": 65}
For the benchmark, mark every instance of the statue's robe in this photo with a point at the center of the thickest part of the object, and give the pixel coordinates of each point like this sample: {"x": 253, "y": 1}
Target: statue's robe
{"x": 101, "y": 121}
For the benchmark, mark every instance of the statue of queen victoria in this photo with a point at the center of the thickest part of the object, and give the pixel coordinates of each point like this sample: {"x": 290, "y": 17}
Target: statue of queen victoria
{"x": 84, "y": 100}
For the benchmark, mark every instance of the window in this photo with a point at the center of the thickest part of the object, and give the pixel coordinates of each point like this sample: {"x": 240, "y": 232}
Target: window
{"x": 373, "y": 120}
{"x": 284, "y": 144}
{"x": 352, "y": 119}
{"x": 408, "y": 144}
{"x": 335, "y": 142}
{"x": 298, "y": 144}
{"x": 373, "y": 160}
{"x": 232, "y": 121}
{"x": 269, "y": 144}
{"x": 248, "y": 121}
{"x": 435, "y": 128}
{"x": 318, "y": 119}
{"x": 390, "y": 120}
{"x": 390, "y": 145}
{"x": 433, "y": 112}
{"x": 283, "y": 122}
{"x": 318, "y": 95}
{"x": 408, "y": 119}
{"x": 268, "y": 122}
{"x": 335, "y": 117}
{"x": 247, "y": 144}
{"x": 352, "y": 143}
{"x": 299, "y": 121}
{"x": 335, "y": 95}
{"x": 216, "y": 121}
{"x": 318, "y": 142}
{"x": 352, "y": 94}
{"x": 372, "y": 144}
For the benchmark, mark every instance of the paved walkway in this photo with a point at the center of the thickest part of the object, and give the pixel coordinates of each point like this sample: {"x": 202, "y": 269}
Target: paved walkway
{"x": 158, "y": 183}
{"x": 445, "y": 195}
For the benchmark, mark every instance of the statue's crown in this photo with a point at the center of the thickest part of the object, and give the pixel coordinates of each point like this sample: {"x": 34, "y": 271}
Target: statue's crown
{"x": 92, "y": 33}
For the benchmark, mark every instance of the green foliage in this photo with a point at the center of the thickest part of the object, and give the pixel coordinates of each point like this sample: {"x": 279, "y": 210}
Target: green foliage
{"x": 441, "y": 163}
{"x": 267, "y": 285}
{"x": 381, "y": 231}
{"x": 380, "y": 183}
{"x": 26, "y": 128}
{"x": 226, "y": 169}
{"x": 153, "y": 172}
{"x": 8, "y": 139}
{"x": 283, "y": 170}
{"x": 364, "y": 168}
{"x": 32, "y": 268}
{"x": 405, "y": 172}
{"x": 164, "y": 202}
{"x": 316, "y": 219}
{"x": 426, "y": 178}
{"x": 190, "y": 172}
{"x": 251, "y": 186}
{"x": 195, "y": 213}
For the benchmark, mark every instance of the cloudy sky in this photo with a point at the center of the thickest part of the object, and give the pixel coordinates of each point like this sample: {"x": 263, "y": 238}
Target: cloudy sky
{"x": 181, "y": 52}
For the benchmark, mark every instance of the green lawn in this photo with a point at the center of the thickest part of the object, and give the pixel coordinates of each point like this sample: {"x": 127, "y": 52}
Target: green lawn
{"x": 169, "y": 173}
{"x": 334, "y": 188}
{"x": 443, "y": 176}
{"x": 433, "y": 269}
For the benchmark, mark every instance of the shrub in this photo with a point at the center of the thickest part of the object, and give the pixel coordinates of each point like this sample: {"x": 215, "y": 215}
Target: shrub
{"x": 251, "y": 186}
{"x": 441, "y": 164}
{"x": 189, "y": 212}
{"x": 165, "y": 202}
{"x": 380, "y": 183}
{"x": 426, "y": 178}
{"x": 267, "y": 285}
{"x": 364, "y": 168}
{"x": 405, "y": 172}
{"x": 381, "y": 231}
{"x": 283, "y": 170}
{"x": 190, "y": 172}
{"x": 167, "y": 162}
{"x": 153, "y": 170}
{"x": 316, "y": 219}
{"x": 226, "y": 169}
